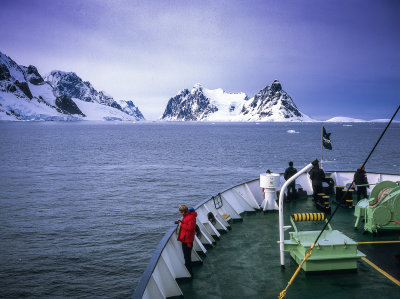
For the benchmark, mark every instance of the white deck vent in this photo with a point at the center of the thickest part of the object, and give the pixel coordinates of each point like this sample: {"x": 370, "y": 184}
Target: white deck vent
{"x": 270, "y": 182}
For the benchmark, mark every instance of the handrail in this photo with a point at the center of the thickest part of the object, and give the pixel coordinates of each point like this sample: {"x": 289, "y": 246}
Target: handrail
{"x": 281, "y": 230}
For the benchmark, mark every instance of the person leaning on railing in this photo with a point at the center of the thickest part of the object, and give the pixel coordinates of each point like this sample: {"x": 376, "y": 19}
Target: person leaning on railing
{"x": 186, "y": 234}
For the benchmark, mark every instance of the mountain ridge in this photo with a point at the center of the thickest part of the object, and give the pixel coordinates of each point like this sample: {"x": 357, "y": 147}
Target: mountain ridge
{"x": 26, "y": 95}
{"x": 271, "y": 103}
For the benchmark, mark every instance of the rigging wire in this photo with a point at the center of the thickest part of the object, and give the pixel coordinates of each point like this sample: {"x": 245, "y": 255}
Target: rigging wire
{"x": 309, "y": 251}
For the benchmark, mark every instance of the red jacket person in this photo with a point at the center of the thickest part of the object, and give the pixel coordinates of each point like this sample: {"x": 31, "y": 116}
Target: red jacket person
{"x": 186, "y": 234}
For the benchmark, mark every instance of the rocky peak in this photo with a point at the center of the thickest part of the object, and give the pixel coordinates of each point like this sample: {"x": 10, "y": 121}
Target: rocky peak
{"x": 67, "y": 83}
{"x": 272, "y": 102}
{"x": 276, "y": 86}
{"x": 189, "y": 106}
{"x": 197, "y": 88}
{"x": 33, "y": 76}
{"x": 15, "y": 71}
{"x": 12, "y": 78}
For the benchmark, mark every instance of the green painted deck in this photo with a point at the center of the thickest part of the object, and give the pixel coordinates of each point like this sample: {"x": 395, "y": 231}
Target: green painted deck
{"x": 245, "y": 262}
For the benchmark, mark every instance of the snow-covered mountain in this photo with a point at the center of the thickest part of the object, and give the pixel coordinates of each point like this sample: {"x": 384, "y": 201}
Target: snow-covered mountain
{"x": 343, "y": 119}
{"x": 272, "y": 103}
{"x": 26, "y": 95}
{"x": 201, "y": 104}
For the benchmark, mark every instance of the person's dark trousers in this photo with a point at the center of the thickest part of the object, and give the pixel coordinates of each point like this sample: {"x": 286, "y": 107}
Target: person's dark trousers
{"x": 187, "y": 254}
{"x": 291, "y": 189}
{"x": 317, "y": 189}
{"x": 361, "y": 191}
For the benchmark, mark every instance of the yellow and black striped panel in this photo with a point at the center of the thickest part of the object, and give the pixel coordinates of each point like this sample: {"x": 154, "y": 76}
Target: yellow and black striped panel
{"x": 308, "y": 216}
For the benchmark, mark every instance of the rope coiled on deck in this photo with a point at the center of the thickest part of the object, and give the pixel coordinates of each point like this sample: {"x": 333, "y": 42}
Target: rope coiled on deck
{"x": 308, "y": 217}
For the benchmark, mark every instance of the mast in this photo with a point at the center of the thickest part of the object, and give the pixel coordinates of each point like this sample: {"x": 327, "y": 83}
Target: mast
{"x": 322, "y": 145}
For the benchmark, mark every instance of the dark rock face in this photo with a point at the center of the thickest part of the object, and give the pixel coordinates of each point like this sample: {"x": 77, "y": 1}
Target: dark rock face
{"x": 66, "y": 104}
{"x": 11, "y": 88}
{"x": 189, "y": 106}
{"x": 33, "y": 75}
{"x": 173, "y": 104}
{"x": 23, "y": 86}
{"x": 131, "y": 109}
{"x": 116, "y": 105}
{"x": 276, "y": 86}
{"x": 15, "y": 114}
{"x": 4, "y": 72}
{"x": 269, "y": 97}
{"x": 72, "y": 86}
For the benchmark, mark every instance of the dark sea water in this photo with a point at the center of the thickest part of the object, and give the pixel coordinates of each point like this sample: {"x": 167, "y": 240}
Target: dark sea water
{"x": 83, "y": 205}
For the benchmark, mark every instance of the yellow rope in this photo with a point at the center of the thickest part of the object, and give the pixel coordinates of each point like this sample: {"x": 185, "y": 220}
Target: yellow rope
{"x": 308, "y": 217}
{"x": 307, "y": 255}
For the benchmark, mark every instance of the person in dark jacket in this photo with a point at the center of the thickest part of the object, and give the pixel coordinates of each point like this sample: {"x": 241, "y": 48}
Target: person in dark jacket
{"x": 186, "y": 234}
{"x": 360, "y": 178}
{"x": 291, "y": 189}
{"x": 317, "y": 176}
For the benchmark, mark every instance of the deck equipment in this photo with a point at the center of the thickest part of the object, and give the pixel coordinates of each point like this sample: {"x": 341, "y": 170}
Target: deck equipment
{"x": 322, "y": 203}
{"x": 270, "y": 183}
{"x": 309, "y": 251}
{"x": 344, "y": 197}
{"x": 381, "y": 211}
{"x": 334, "y": 250}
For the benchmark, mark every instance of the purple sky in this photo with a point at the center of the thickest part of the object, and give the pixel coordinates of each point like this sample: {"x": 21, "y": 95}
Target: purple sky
{"x": 335, "y": 58}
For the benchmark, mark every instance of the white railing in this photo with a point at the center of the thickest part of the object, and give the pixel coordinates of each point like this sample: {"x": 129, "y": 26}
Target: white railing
{"x": 281, "y": 224}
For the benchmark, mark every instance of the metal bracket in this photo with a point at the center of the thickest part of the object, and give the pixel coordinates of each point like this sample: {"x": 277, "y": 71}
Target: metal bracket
{"x": 217, "y": 201}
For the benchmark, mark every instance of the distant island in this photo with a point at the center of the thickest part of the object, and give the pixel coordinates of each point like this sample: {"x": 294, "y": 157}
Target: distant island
{"x": 342, "y": 119}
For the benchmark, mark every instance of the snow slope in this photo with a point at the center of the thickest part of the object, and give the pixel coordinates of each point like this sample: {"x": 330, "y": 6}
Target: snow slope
{"x": 229, "y": 105}
{"x": 342, "y": 119}
{"x": 25, "y": 95}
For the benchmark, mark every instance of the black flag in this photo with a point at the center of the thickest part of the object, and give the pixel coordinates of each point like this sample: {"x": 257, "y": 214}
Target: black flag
{"x": 326, "y": 141}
